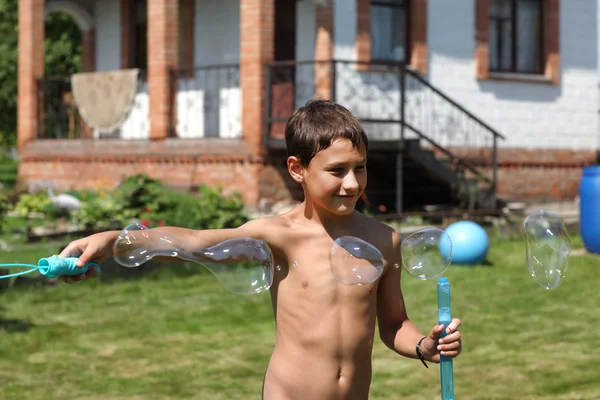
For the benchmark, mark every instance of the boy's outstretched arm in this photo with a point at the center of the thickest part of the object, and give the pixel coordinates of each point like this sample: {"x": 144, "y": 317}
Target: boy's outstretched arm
{"x": 99, "y": 247}
{"x": 396, "y": 330}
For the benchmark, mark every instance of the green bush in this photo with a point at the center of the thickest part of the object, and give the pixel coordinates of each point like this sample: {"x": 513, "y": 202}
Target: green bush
{"x": 140, "y": 193}
{"x": 209, "y": 209}
{"x": 30, "y": 203}
{"x": 4, "y": 207}
{"x": 103, "y": 212}
{"x": 154, "y": 204}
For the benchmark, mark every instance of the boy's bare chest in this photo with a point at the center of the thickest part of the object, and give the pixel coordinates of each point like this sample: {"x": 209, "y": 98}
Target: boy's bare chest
{"x": 307, "y": 269}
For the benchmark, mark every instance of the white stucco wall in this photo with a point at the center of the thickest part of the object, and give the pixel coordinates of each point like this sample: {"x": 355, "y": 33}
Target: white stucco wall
{"x": 530, "y": 115}
{"x": 107, "y": 14}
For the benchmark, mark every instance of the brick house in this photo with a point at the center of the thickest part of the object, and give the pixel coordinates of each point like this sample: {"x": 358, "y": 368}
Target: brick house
{"x": 460, "y": 107}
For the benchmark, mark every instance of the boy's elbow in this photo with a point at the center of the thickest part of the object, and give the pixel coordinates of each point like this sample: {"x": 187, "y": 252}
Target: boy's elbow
{"x": 387, "y": 335}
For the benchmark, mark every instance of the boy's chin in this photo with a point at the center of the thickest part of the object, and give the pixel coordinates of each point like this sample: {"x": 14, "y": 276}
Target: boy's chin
{"x": 344, "y": 209}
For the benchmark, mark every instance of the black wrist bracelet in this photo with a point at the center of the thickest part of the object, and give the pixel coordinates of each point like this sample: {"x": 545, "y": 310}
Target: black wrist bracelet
{"x": 419, "y": 354}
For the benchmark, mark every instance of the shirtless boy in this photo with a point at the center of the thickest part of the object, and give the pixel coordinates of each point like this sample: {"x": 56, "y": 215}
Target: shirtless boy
{"x": 325, "y": 330}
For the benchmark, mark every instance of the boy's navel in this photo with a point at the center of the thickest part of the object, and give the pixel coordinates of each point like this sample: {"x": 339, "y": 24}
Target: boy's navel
{"x": 304, "y": 284}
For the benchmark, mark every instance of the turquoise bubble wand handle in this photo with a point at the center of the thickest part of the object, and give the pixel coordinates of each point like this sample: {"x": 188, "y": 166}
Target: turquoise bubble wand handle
{"x": 445, "y": 317}
{"x": 53, "y": 267}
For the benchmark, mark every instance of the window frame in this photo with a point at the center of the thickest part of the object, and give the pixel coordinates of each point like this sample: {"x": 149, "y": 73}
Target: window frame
{"x": 514, "y": 40}
{"x": 407, "y": 29}
{"x": 552, "y": 58}
{"x": 417, "y": 53}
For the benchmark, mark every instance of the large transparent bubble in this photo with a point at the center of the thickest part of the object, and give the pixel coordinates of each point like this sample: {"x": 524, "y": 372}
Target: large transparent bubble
{"x": 427, "y": 253}
{"x": 355, "y": 262}
{"x": 548, "y": 247}
{"x": 242, "y": 266}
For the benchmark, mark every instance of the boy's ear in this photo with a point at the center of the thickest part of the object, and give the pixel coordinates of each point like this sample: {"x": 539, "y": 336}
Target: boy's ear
{"x": 295, "y": 169}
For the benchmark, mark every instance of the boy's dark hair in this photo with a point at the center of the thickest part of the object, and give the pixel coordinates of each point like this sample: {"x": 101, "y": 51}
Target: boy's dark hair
{"x": 317, "y": 125}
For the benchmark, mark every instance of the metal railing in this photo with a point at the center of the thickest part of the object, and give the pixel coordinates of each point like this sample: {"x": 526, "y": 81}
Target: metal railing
{"x": 207, "y": 102}
{"x": 394, "y": 103}
{"x": 59, "y": 117}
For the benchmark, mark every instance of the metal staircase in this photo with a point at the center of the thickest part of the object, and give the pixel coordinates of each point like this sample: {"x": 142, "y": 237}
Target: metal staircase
{"x": 424, "y": 148}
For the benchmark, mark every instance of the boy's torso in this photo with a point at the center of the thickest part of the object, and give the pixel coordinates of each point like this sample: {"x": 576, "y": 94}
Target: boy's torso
{"x": 325, "y": 329}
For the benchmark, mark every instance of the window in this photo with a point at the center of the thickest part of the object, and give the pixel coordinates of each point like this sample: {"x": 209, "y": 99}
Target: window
{"x": 389, "y": 30}
{"x": 516, "y": 40}
{"x": 140, "y": 34}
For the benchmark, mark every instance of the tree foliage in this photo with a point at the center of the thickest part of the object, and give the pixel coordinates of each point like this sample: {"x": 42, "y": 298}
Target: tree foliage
{"x": 62, "y": 52}
{"x": 8, "y": 71}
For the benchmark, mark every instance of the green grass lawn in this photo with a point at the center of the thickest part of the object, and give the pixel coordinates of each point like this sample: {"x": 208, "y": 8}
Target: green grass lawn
{"x": 186, "y": 337}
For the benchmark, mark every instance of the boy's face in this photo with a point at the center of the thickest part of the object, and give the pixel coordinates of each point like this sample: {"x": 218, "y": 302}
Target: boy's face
{"x": 336, "y": 177}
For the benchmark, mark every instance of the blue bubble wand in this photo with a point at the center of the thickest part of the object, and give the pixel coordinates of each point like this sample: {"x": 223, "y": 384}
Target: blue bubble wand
{"x": 427, "y": 254}
{"x": 51, "y": 267}
{"x": 445, "y": 317}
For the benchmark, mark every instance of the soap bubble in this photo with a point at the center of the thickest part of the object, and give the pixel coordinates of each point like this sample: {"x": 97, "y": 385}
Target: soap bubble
{"x": 548, "y": 247}
{"x": 427, "y": 253}
{"x": 242, "y": 265}
{"x": 355, "y": 262}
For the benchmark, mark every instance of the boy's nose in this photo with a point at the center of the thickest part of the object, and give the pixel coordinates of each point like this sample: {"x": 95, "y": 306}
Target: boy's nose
{"x": 350, "y": 183}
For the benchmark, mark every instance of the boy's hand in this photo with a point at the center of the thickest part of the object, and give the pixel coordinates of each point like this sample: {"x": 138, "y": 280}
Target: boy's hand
{"x": 450, "y": 345}
{"x": 95, "y": 248}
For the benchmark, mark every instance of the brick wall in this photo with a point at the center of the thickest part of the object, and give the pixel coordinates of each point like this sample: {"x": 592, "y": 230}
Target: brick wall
{"x": 533, "y": 175}
{"x": 182, "y": 164}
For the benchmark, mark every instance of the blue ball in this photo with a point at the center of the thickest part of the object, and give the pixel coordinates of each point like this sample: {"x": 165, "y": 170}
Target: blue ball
{"x": 470, "y": 243}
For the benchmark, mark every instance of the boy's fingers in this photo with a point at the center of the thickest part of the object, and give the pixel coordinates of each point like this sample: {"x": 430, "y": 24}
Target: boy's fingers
{"x": 453, "y": 326}
{"x": 449, "y": 346}
{"x": 85, "y": 257}
{"x": 436, "y": 332}
{"x": 453, "y": 337}
{"x": 72, "y": 250}
{"x": 452, "y": 353}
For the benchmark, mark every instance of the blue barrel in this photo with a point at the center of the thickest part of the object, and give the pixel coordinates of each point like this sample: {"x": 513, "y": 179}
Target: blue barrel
{"x": 589, "y": 208}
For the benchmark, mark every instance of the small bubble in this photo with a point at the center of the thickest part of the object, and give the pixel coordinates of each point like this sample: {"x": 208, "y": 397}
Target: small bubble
{"x": 295, "y": 264}
{"x": 396, "y": 265}
{"x": 278, "y": 267}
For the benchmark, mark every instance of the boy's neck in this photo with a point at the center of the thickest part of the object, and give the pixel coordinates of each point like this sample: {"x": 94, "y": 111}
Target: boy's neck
{"x": 326, "y": 219}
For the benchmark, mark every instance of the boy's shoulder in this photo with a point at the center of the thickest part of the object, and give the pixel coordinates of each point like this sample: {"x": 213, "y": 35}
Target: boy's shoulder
{"x": 267, "y": 227}
{"x": 378, "y": 233}
{"x": 277, "y": 221}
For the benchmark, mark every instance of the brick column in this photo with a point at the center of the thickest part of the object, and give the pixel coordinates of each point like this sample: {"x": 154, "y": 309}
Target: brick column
{"x": 552, "y": 41}
{"x": 482, "y": 49}
{"x": 363, "y": 33}
{"x": 418, "y": 36}
{"x": 324, "y": 50}
{"x": 257, "y": 24}
{"x": 31, "y": 66}
{"x": 163, "y": 54}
